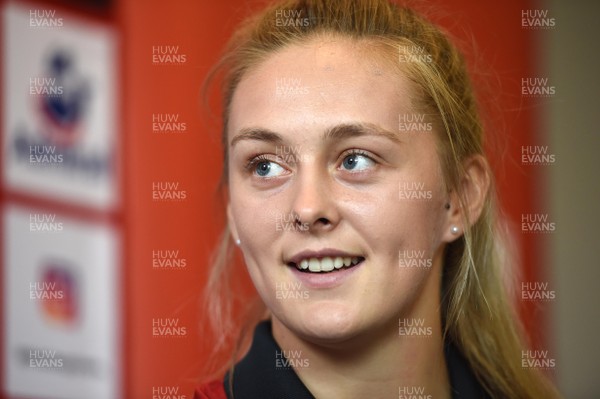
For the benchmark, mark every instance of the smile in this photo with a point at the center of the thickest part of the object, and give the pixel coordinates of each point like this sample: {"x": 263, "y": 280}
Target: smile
{"x": 326, "y": 263}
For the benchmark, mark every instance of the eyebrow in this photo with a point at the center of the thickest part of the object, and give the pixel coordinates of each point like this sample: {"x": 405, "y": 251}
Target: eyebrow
{"x": 337, "y": 133}
{"x": 259, "y": 134}
{"x": 349, "y": 130}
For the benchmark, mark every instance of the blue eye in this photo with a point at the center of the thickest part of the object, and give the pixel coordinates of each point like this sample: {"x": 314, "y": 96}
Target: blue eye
{"x": 357, "y": 162}
{"x": 264, "y": 168}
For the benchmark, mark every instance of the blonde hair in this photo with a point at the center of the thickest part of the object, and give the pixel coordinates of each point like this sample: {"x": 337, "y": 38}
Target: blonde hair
{"x": 476, "y": 311}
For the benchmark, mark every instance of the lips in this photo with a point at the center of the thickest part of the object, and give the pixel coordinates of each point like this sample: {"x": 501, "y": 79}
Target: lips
{"x": 324, "y": 261}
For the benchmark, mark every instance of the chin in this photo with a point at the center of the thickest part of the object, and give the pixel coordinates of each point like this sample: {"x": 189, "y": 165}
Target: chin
{"x": 326, "y": 323}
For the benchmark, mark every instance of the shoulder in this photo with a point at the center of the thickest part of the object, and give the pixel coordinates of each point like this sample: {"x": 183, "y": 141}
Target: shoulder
{"x": 210, "y": 390}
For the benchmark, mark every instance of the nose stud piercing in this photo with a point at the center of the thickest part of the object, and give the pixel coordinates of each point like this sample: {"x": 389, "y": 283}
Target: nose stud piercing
{"x": 238, "y": 242}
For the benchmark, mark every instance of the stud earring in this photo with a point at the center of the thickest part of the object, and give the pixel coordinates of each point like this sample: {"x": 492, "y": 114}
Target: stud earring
{"x": 238, "y": 242}
{"x": 454, "y": 230}
{"x": 447, "y": 205}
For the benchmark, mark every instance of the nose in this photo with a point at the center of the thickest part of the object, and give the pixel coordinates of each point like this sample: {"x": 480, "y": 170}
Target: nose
{"x": 314, "y": 203}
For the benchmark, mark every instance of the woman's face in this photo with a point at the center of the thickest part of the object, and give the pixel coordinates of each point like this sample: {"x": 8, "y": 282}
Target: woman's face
{"x": 336, "y": 196}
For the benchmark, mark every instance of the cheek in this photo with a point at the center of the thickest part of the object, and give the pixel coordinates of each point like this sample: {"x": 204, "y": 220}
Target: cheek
{"x": 251, "y": 214}
{"x": 255, "y": 218}
{"x": 391, "y": 222}
{"x": 256, "y": 235}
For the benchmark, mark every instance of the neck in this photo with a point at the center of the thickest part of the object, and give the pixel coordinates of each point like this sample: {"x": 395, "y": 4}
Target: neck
{"x": 381, "y": 363}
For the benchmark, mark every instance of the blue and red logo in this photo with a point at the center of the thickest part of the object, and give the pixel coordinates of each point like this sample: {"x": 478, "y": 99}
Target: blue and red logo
{"x": 62, "y": 114}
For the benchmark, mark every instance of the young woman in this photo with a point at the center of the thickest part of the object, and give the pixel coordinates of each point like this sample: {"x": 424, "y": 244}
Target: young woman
{"x": 362, "y": 203}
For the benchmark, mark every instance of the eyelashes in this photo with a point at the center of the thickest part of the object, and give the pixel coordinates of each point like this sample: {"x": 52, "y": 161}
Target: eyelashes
{"x": 252, "y": 162}
{"x": 357, "y": 161}
{"x": 264, "y": 167}
{"x": 269, "y": 165}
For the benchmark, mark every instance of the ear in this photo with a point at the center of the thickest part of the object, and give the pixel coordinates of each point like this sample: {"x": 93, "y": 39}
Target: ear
{"x": 473, "y": 188}
{"x": 231, "y": 223}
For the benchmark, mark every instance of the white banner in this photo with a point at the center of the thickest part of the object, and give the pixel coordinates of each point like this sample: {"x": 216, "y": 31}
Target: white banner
{"x": 60, "y": 111}
{"x": 61, "y": 301}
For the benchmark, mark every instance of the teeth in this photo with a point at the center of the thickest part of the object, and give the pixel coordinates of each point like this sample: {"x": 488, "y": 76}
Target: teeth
{"x": 304, "y": 264}
{"x": 327, "y": 263}
{"x": 338, "y": 262}
{"x": 314, "y": 265}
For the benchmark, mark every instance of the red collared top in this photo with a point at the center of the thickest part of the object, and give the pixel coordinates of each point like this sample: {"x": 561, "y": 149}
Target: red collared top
{"x": 210, "y": 390}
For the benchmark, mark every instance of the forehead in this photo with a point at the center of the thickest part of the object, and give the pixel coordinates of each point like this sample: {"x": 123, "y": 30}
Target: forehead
{"x": 324, "y": 81}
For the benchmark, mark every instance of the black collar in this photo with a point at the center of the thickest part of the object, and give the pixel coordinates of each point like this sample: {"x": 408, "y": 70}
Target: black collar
{"x": 262, "y": 373}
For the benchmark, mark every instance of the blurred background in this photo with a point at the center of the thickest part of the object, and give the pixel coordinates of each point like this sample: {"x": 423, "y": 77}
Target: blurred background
{"x": 110, "y": 161}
